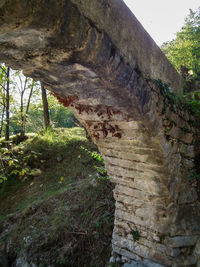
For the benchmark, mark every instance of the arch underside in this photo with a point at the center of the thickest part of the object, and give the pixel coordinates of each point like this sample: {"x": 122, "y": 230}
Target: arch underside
{"x": 157, "y": 214}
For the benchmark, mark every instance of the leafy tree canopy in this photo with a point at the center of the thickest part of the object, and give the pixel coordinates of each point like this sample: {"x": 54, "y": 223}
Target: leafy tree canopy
{"x": 184, "y": 50}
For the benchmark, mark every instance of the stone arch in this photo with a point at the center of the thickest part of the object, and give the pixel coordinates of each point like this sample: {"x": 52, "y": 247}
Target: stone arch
{"x": 110, "y": 90}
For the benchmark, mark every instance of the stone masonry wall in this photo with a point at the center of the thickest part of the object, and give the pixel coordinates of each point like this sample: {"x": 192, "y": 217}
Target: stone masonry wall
{"x": 165, "y": 212}
{"x": 149, "y": 143}
{"x": 157, "y": 203}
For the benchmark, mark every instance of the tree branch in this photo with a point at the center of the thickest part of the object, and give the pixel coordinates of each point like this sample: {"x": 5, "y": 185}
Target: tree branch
{"x": 3, "y": 70}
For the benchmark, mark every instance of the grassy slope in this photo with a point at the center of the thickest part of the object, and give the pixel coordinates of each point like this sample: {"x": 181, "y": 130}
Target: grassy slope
{"x": 57, "y": 217}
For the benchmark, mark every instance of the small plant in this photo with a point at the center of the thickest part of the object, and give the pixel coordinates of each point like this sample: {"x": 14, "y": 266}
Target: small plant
{"x": 97, "y": 157}
{"x": 94, "y": 155}
{"x": 135, "y": 235}
{"x": 193, "y": 175}
{"x": 185, "y": 129}
{"x": 102, "y": 173}
{"x": 16, "y": 163}
{"x": 3, "y": 178}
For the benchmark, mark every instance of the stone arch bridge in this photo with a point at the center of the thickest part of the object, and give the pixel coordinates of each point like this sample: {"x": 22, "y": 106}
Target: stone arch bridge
{"x": 99, "y": 61}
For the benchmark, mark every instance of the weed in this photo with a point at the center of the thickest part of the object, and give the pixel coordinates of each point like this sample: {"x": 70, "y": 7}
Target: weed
{"x": 94, "y": 155}
{"x": 193, "y": 175}
{"x": 135, "y": 235}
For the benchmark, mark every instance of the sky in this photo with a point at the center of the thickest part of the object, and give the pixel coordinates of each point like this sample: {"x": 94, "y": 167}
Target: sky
{"x": 162, "y": 18}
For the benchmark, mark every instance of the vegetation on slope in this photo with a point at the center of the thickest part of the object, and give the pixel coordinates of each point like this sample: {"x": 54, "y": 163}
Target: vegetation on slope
{"x": 61, "y": 214}
{"x": 184, "y": 53}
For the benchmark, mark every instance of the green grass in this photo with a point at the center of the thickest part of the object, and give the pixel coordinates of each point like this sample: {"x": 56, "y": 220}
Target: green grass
{"x": 57, "y": 215}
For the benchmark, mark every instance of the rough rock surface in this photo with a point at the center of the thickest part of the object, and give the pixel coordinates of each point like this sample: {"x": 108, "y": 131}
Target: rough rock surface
{"x": 97, "y": 60}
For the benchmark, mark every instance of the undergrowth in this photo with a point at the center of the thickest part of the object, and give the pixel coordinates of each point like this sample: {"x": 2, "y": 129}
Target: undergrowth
{"x": 60, "y": 211}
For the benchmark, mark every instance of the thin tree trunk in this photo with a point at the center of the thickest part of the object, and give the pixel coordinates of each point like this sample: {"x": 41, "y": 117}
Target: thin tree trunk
{"x": 29, "y": 98}
{"x": 7, "y": 135}
{"x": 45, "y": 108}
{"x": 22, "y": 134}
{"x": 26, "y": 113}
{"x": 2, "y": 116}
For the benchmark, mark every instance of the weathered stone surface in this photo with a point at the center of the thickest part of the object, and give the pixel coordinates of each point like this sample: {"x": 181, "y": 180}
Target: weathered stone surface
{"x": 181, "y": 241}
{"x": 98, "y": 61}
{"x": 188, "y": 151}
{"x": 143, "y": 52}
{"x": 136, "y": 264}
{"x": 179, "y": 134}
{"x": 197, "y": 252}
{"x": 152, "y": 264}
{"x": 188, "y": 196}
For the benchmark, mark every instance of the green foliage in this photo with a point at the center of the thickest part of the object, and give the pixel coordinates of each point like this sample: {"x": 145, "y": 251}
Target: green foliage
{"x": 31, "y": 114}
{"x": 15, "y": 164}
{"x": 3, "y": 178}
{"x": 94, "y": 155}
{"x": 21, "y": 89}
{"x": 166, "y": 91}
{"x": 185, "y": 49}
{"x": 24, "y": 161}
{"x": 135, "y": 235}
{"x": 60, "y": 115}
{"x": 184, "y": 53}
{"x": 101, "y": 171}
{"x": 192, "y": 102}
{"x": 97, "y": 157}
{"x": 193, "y": 175}
{"x": 42, "y": 208}
{"x": 174, "y": 100}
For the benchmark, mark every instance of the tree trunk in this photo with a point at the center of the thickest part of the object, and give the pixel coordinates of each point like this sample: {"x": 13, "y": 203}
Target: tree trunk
{"x": 2, "y": 121}
{"x": 22, "y": 133}
{"x": 45, "y": 108}
{"x": 3, "y": 113}
{"x": 7, "y": 135}
{"x": 29, "y": 98}
{"x": 23, "y": 116}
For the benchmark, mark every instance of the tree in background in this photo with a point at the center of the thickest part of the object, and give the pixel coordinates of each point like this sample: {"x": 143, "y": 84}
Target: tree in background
{"x": 45, "y": 107}
{"x": 3, "y": 75}
{"x": 5, "y": 103}
{"x": 61, "y": 117}
{"x": 28, "y": 110}
{"x": 7, "y": 136}
{"x": 25, "y": 87}
{"x": 184, "y": 51}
